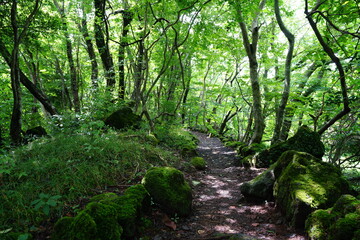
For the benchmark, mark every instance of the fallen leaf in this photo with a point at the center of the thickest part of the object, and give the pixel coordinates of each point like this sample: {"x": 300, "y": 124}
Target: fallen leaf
{"x": 167, "y": 221}
{"x": 200, "y": 232}
{"x": 255, "y": 224}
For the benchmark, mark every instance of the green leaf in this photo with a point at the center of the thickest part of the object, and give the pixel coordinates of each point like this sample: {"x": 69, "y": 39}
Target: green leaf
{"x": 46, "y": 210}
{"x": 5, "y": 231}
{"x": 51, "y": 202}
{"x": 25, "y": 236}
{"x": 35, "y": 201}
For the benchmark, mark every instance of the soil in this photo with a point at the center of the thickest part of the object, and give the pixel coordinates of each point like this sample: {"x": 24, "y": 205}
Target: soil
{"x": 219, "y": 209}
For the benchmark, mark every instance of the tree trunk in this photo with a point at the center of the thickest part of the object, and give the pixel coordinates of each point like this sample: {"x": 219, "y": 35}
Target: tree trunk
{"x": 286, "y": 92}
{"x": 336, "y": 60}
{"x": 251, "y": 50}
{"x": 37, "y": 93}
{"x": 15, "y": 124}
{"x": 91, "y": 52}
{"x": 290, "y": 111}
{"x": 127, "y": 18}
{"x": 73, "y": 75}
{"x": 102, "y": 44}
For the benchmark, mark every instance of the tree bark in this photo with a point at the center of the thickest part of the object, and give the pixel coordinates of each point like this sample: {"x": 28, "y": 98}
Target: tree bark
{"x": 127, "y": 18}
{"x": 73, "y": 75}
{"x": 336, "y": 60}
{"x": 36, "y": 92}
{"x": 15, "y": 124}
{"x": 91, "y": 52}
{"x": 102, "y": 44}
{"x": 251, "y": 50}
{"x": 286, "y": 92}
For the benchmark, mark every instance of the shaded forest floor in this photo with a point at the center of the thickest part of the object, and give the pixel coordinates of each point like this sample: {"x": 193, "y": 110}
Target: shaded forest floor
{"x": 219, "y": 211}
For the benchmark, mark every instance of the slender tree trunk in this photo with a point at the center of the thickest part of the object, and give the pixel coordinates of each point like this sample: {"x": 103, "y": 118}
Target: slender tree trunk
{"x": 290, "y": 111}
{"x": 73, "y": 74}
{"x": 286, "y": 92}
{"x": 127, "y": 19}
{"x": 251, "y": 51}
{"x": 329, "y": 51}
{"x": 91, "y": 52}
{"x": 102, "y": 44}
{"x": 15, "y": 124}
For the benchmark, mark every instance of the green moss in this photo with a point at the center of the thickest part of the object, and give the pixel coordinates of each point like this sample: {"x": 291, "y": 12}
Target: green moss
{"x": 198, "y": 162}
{"x": 105, "y": 218}
{"x": 318, "y": 223}
{"x": 168, "y": 188}
{"x": 304, "y": 140}
{"x": 356, "y": 235}
{"x": 345, "y": 204}
{"x": 260, "y": 187}
{"x": 62, "y": 228}
{"x": 340, "y": 222}
{"x": 83, "y": 227}
{"x": 108, "y": 195}
{"x": 306, "y": 184}
{"x": 344, "y": 228}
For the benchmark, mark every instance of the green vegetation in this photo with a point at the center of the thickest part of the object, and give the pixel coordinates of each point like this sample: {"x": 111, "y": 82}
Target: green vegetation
{"x": 106, "y": 217}
{"x": 198, "y": 162}
{"x": 229, "y": 68}
{"x": 340, "y": 222}
{"x": 168, "y": 188}
{"x": 41, "y": 179}
{"x": 305, "y": 184}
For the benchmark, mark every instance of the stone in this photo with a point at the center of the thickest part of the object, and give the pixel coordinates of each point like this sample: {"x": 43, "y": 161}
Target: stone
{"x": 168, "y": 188}
{"x": 340, "y": 222}
{"x": 305, "y": 183}
{"x": 34, "y": 133}
{"x": 107, "y": 217}
{"x": 198, "y": 162}
{"x": 305, "y": 140}
{"x": 261, "y": 187}
{"x": 123, "y": 118}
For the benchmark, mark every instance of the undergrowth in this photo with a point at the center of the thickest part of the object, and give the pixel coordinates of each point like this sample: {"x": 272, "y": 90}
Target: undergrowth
{"x": 38, "y": 179}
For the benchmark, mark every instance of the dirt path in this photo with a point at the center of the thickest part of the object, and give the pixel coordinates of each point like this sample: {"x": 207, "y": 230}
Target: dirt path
{"x": 217, "y": 205}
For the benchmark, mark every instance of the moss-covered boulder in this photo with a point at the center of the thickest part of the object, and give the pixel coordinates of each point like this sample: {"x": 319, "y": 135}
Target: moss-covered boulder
{"x": 304, "y": 184}
{"x": 305, "y": 140}
{"x": 198, "y": 162}
{"x": 169, "y": 189}
{"x": 107, "y": 217}
{"x": 261, "y": 187}
{"x": 341, "y": 222}
{"x": 123, "y": 118}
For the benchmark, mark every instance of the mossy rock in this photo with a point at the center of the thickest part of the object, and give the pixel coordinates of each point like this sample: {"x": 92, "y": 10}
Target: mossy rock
{"x": 305, "y": 140}
{"x": 106, "y": 221}
{"x": 248, "y": 161}
{"x": 62, "y": 228}
{"x": 345, "y": 227}
{"x": 198, "y": 162}
{"x": 252, "y": 149}
{"x": 168, "y": 188}
{"x": 107, "y": 216}
{"x": 83, "y": 227}
{"x": 261, "y": 187}
{"x": 103, "y": 196}
{"x": 317, "y": 224}
{"x": 306, "y": 184}
{"x": 123, "y": 118}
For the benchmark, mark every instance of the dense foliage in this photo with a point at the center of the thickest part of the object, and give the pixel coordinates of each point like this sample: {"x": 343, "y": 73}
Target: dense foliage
{"x": 231, "y": 68}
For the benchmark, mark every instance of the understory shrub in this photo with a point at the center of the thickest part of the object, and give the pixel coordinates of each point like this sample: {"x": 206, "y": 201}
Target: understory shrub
{"x": 67, "y": 167}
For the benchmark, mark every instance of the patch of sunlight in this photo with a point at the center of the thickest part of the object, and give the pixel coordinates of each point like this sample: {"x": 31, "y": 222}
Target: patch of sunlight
{"x": 224, "y": 229}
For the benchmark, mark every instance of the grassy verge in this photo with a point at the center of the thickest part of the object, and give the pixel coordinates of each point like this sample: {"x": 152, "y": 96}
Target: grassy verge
{"x": 39, "y": 179}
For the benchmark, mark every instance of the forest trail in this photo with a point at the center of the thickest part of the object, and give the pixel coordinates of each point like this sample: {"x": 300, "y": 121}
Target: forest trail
{"x": 218, "y": 212}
